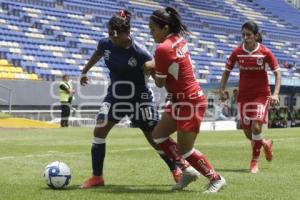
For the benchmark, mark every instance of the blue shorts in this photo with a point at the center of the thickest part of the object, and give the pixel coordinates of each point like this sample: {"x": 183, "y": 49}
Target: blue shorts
{"x": 140, "y": 110}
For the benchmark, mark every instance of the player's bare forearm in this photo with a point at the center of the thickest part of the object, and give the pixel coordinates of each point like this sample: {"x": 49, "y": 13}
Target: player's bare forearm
{"x": 277, "y": 82}
{"x": 160, "y": 82}
{"x": 92, "y": 61}
{"x": 224, "y": 80}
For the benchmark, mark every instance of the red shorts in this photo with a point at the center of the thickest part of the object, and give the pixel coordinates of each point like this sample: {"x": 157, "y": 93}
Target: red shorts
{"x": 188, "y": 115}
{"x": 251, "y": 109}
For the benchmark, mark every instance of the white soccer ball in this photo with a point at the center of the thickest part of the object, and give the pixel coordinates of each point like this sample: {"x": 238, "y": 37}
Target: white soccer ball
{"x": 57, "y": 175}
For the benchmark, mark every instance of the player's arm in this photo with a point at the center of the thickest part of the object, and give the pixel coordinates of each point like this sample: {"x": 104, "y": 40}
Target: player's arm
{"x": 149, "y": 68}
{"x": 273, "y": 63}
{"x": 160, "y": 81}
{"x": 229, "y": 66}
{"x": 92, "y": 61}
{"x": 163, "y": 60}
{"x": 274, "y": 98}
{"x": 224, "y": 80}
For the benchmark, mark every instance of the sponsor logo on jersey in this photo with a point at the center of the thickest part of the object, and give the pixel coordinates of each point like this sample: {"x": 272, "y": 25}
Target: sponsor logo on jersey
{"x": 260, "y": 61}
{"x": 106, "y": 54}
{"x": 180, "y": 52}
{"x": 132, "y": 62}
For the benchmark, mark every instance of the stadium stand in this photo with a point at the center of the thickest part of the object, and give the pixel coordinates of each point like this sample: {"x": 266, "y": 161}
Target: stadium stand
{"x": 44, "y": 39}
{"x": 55, "y": 37}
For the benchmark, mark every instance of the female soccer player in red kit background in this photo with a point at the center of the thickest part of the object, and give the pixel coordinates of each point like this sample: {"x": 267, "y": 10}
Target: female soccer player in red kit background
{"x": 254, "y": 94}
{"x": 173, "y": 70}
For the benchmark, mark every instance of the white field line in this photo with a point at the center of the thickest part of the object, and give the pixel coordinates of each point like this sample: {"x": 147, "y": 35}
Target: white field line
{"x": 51, "y": 153}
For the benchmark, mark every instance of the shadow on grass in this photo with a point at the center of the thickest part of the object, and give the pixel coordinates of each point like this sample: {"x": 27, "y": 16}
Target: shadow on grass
{"x": 233, "y": 170}
{"x": 123, "y": 189}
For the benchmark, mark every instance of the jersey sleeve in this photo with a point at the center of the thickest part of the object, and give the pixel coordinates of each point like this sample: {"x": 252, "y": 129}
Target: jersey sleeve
{"x": 231, "y": 61}
{"x": 145, "y": 55}
{"x": 163, "y": 60}
{"x": 100, "y": 47}
{"x": 272, "y": 61}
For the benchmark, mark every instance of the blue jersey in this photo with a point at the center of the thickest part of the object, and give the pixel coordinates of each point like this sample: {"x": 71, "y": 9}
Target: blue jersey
{"x": 124, "y": 64}
{"x": 127, "y": 73}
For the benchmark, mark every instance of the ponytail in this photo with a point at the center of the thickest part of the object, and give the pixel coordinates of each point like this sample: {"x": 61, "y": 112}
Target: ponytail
{"x": 169, "y": 16}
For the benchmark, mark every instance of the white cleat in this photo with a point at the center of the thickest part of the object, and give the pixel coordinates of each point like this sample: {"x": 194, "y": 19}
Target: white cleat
{"x": 189, "y": 175}
{"x": 216, "y": 185}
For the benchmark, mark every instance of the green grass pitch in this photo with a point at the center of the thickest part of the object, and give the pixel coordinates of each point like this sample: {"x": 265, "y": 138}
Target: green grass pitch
{"x": 134, "y": 171}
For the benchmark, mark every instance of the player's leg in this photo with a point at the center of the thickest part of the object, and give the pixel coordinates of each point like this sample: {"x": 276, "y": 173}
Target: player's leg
{"x": 161, "y": 136}
{"x": 189, "y": 126}
{"x": 258, "y": 119}
{"x": 146, "y": 120}
{"x": 105, "y": 122}
{"x": 257, "y": 143}
{"x": 199, "y": 161}
{"x": 175, "y": 170}
{"x": 98, "y": 150}
{"x": 248, "y": 133}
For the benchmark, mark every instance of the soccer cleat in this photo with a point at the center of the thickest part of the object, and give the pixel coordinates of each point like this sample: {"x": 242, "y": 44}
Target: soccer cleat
{"x": 267, "y": 145}
{"x": 215, "y": 185}
{"x": 253, "y": 166}
{"x": 177, "y": 173}
{"x": 189, "y": 175}
{"x": 92, "y": 182}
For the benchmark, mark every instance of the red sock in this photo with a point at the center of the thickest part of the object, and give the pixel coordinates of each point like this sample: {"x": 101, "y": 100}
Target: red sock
{"x": 169, "y": 147}
{"x": 201, "y": 164}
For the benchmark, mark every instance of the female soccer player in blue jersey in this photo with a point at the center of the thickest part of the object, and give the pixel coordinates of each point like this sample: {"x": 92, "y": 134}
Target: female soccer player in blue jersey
{"x": 127, "y": 95}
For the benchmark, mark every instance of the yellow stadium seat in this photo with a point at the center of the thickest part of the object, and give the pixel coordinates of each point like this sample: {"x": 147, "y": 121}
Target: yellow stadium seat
{"x": 4, "y": 62}
{"x": 34, "y": 77}
{"x": 2, "y": 69}
{"x": 19, "y": 69}
{"x": 13, "y": 69}
{"x": 10, "y": 75}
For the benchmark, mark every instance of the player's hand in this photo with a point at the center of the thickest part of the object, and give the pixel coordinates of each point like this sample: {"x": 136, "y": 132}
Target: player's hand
{"x": 149, "y": 66}
{"x": 223, "y": 96}
{"x": 83, "y": 80}
{"x": 274, "y": 100}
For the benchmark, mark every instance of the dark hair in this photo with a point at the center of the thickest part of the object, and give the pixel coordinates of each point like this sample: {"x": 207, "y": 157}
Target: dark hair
{"x": 120, "y": 22}
{"x": 169, "y": 16}
{"x": 65, "y": 76}
{"x": 259, "y": 37}
{"x": 253, "y": 27}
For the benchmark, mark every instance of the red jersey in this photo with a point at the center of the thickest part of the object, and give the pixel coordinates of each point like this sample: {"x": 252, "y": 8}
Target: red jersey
{"x": 253, "y": 75}
{"x": 172, "y": 61}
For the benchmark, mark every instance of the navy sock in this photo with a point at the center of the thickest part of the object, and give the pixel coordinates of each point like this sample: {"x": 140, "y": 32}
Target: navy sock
{"x": 172, "y": 166}
{"x": 98, "y": 154}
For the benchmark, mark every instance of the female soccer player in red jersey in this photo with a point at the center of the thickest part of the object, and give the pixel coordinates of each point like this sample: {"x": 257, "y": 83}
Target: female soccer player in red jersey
{"x": 172, "y": 68}
{"x": 254, "y": 94}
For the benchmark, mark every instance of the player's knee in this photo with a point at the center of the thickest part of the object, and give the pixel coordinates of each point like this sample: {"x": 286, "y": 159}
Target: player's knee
{"x": 256, "y": 128}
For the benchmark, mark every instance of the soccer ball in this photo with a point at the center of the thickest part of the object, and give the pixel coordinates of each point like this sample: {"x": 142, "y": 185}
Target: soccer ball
{"x": 57, "y": 175}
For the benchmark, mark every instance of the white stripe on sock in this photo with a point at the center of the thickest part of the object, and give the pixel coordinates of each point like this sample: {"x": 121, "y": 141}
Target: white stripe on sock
{"x": 186, "y": 155}
{"x": 160, "y": 140}
{"x": 160, "y": 152}
{"x": 257, "y": 137}
{"x": 97, "y": 140}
